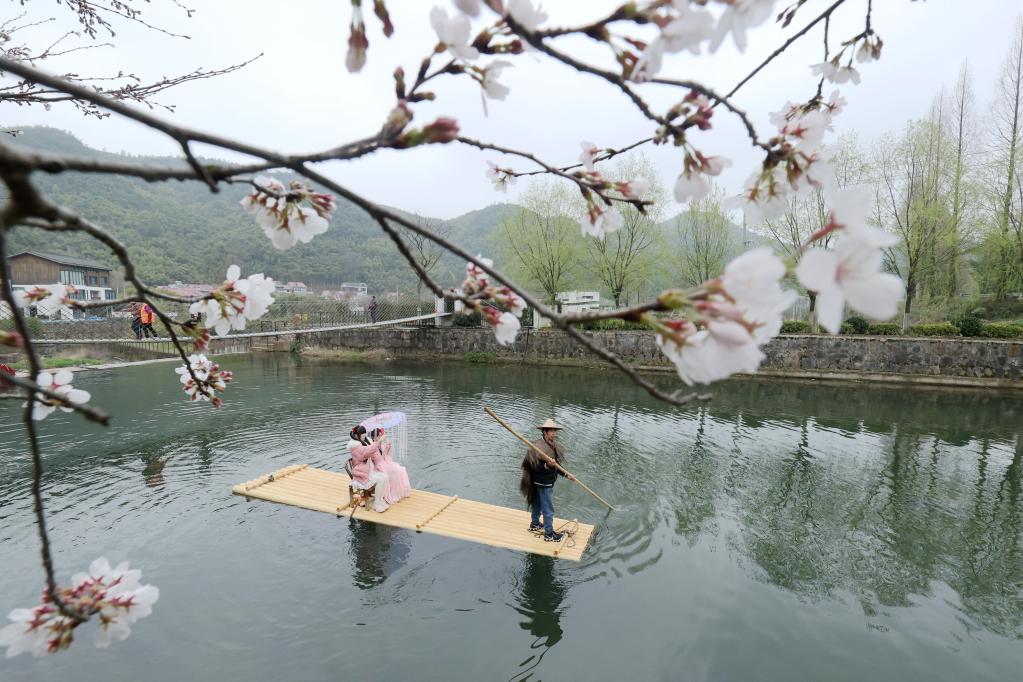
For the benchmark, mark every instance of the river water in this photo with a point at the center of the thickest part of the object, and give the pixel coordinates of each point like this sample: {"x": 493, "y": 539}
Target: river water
{"x": 782, "y": 531}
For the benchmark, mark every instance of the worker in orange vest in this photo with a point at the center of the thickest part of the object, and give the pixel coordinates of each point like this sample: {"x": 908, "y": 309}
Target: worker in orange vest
{"x": 147, "y": 318}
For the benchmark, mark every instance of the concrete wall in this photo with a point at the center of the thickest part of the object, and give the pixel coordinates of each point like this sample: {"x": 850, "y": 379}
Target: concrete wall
{"x": 985, "y": 362}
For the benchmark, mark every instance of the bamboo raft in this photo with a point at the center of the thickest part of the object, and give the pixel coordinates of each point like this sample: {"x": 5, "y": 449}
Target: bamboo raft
{"x": 424, "y": 512}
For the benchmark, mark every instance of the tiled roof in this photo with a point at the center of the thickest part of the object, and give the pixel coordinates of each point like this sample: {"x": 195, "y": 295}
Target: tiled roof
{"x": 64, "y": 260}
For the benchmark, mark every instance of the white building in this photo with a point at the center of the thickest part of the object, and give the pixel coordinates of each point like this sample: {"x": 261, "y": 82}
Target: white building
{"x": 578, "y": 301}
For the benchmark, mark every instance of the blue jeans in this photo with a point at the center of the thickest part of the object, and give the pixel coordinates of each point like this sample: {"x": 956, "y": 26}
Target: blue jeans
{"x": 543, "y": 503}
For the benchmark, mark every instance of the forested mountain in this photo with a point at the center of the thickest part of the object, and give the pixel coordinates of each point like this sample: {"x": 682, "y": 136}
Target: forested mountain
{"x": 182, "y": 231}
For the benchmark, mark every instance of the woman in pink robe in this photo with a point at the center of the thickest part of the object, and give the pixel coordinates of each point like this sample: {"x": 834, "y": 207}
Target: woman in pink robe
{"x": 368, "y": 467}
{"x": 398, "y": 485}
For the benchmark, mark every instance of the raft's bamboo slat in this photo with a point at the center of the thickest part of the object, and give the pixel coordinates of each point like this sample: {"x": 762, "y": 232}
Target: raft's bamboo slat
{"x": 431, "y": 517}
{"x": 424, "y": 511}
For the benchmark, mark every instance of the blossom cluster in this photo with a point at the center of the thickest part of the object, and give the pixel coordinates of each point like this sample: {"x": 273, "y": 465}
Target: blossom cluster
{"x": 114, "y": 595}
{"x": 236, "y": 301}
{"x": 478, "y": 288}
{"x": 797, "y": 162}
{"x": 60, "y": 383}
{"x": 732, "y": 317}
{"x": 202, "y": 379}
{"x": 47, "y": 298}
{"x": 687, "y": 28}
{"x": 288, "y": 214}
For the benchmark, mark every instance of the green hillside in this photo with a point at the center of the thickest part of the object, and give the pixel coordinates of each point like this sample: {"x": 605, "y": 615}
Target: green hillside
{"x": 182, "y": 231}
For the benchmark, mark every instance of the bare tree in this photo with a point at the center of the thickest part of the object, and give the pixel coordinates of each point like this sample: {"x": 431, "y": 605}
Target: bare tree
{"x": 912, "y": 202}
{"x": 1004, "y": 252}
{"x": 625, "y": 259}
{"x": 704, "y": 239}
{"x": 425, "y": 251}
{"x": 542, "y": 237}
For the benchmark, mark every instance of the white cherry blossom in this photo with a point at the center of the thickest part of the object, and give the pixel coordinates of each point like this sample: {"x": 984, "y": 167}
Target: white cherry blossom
{"x": 691, "y": 184}
{"x": 588, "y": 154}
{"x": 59, "y": 382}
{"x": 524, "y": 13}
{"x": 47, "y": 298}
{"x": 739, "y": 16}
{"x": 753, "y": 281}
{"x": 288, "y": 215}
{"x": 807, "y": 131}
{"x": 833, "y": 73}
{"x": 691, "y": 28}
{"x": 634, "y": 189}
{"x": 112, "y": 596}
{"x": 470, "y": 7}
{"x": 455, "y": 33}
{"x": 836, "y": 104}
{"x": 602, "y": 223}
{"x": 211, "y": 379}
{"x": 849, "y": 274}
{"x": 848, "y": 211}
{"x": 500, "y": 177}
{"x": 506, "y": 328}
{"x": 236, "y": 302}
{"x": 717, "y": 352}
{"x": 491, "y": 88}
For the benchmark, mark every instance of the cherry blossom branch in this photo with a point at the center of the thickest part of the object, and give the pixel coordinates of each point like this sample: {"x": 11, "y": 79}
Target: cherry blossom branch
{"x": 27, "y": 200}
{"x": 91, "y": 413}
{"x": 784, "y": 46}
{"x": 576, "y": 179}
{"x": 614, "y": 79}
{"x": 27, "y": 418}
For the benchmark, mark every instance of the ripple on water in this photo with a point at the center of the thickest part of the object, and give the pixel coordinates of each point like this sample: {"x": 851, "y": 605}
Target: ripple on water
{"x": 765, "y": 522}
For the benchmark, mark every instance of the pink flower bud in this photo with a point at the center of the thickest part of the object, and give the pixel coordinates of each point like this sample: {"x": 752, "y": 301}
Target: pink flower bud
{"x": 441, "y": 131}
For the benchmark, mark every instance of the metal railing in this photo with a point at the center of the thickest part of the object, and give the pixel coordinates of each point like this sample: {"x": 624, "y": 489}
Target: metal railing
{"x": 288, "y": 315}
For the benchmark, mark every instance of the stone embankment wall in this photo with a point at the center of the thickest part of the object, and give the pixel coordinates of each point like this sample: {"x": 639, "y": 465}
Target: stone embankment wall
{"x": 976, "y": 362}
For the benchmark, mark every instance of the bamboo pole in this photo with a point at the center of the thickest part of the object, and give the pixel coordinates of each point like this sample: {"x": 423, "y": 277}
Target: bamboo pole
{"x": 547, "y": 457}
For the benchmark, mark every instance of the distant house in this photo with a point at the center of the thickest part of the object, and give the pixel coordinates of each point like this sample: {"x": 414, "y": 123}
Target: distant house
{"x": 577, "y": 301}
{"x": 352, "y": 289}
{"x": 293, "y": 288}
{"x": 91, "y": 280}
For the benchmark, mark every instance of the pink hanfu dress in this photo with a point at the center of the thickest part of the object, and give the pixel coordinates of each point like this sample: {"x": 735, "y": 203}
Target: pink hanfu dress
{"x": 398, "y": 486}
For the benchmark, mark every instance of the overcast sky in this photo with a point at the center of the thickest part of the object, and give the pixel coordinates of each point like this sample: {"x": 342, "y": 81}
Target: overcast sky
{"x": 299, "y": 97}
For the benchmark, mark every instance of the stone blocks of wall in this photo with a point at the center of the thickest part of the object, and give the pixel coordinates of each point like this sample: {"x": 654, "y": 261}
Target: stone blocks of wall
{"x": 812, "y": 354}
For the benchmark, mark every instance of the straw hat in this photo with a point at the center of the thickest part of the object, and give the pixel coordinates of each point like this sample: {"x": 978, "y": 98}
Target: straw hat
{"x": 549, "y": 424}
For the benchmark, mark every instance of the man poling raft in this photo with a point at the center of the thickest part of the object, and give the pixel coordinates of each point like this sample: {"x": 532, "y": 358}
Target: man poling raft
{"x": 539, "y": 476}
{"x": 540, "y": 469}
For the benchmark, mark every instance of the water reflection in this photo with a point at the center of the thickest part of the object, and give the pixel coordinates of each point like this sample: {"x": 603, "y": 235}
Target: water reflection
{"x": 540, "y": 598}
{"x": 811, "y": 515}
{"x": 152, "y": 471}
{"x": 377, "y": 551}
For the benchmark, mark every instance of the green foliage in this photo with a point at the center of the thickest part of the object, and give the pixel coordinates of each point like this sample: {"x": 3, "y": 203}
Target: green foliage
{"x": 1002, "y": 330}
{"x": 846, "y": 328}
{"x": 969, "y": 325}
{"x": 936, "y": 329}
{"x": 998, "y": 309}
{"x": 34, "y": 324}
{"x": 884, "y": 329}
{"x": 858, "y": 324}
{"x": 479, "y": 357}
{"x": 795, "y": 327}
{"x": 613, "y": 325}
{"x": 472, "y": 319}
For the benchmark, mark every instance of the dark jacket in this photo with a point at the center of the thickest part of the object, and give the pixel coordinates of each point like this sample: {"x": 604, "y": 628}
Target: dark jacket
{"x": 536, "y": 471}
